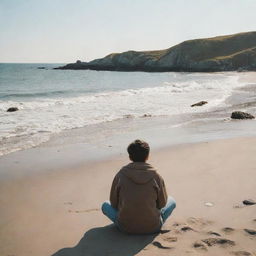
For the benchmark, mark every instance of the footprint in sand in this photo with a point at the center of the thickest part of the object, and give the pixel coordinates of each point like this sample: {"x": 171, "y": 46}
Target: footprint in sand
{"x": 213, "y": 233}
{"x": 160, "y": 246}
{"x": 241, "y": 253}
{"x": 200, "y": 246}
{"x": 199, "y": 221}
{"x": 177, "y": 224}
{"x": 187, "y": 228}
{"x": 250, "y": 232}
{"x": 163, "y": 231}
{"x": 170, "y": 239}
{"x": 218, "y": 241}
{"x": 228, "y": 230}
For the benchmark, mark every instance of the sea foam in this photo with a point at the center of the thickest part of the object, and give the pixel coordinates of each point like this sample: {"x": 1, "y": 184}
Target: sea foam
{"x": 42, "y": 115}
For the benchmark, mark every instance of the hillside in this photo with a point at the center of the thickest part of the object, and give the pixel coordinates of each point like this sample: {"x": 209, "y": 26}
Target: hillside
{"x": 222, "y": 53}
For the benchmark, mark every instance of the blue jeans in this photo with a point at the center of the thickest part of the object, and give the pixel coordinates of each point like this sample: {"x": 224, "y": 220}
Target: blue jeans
{"x": 111, "y": 212}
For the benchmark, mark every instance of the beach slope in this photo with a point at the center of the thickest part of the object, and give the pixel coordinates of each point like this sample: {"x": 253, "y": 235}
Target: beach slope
{"x": 58, "y": 213}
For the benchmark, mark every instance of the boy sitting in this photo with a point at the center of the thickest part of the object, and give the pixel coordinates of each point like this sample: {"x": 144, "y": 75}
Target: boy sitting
{"x": 138, "y": 198}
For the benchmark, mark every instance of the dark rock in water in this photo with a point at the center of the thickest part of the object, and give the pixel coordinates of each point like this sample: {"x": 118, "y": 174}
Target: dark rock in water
{"x": 250, "y": 231}
{"x": 12, "y": 109}
{"x": 218, "y": 241}
{"x": 200, "y": 103}
{"x": 241, "y": 115}
{"x": 228, "y": 230}
{"x": 199, "y": 245}
{"x": 41, "y": 68}
{"x": 249, "y": 202}
{"x": 241, "y": 253}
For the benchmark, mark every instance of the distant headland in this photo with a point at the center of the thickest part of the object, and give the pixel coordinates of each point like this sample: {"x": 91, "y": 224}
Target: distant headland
{"x": 235, "y": 52}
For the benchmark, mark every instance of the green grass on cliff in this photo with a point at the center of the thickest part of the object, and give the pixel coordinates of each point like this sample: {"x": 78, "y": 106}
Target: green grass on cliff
{"x": 215, "y": 48}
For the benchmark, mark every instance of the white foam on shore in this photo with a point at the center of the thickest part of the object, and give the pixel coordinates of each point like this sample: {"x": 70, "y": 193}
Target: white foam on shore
{"x": 38, "y": 118}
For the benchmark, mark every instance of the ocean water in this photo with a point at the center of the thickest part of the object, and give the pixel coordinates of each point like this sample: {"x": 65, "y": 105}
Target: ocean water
{"x": 52, "y": 101}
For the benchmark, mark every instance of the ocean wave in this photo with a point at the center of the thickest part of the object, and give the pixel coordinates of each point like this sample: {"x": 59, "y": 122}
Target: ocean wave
{"x": 165, "y": 91}
{"x": 50, "y": 94}
{"x": 46, "y": 113}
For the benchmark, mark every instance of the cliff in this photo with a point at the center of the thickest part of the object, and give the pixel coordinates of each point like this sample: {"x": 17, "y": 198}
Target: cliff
{"x": 222, "y": 53}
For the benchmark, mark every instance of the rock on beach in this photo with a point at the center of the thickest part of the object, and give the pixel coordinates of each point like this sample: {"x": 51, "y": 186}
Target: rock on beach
{"x": 12, "y": 109}
{"x": 249, "y": 202}
{"x": 241, "y": 115}
{"x": 198, "y": 104}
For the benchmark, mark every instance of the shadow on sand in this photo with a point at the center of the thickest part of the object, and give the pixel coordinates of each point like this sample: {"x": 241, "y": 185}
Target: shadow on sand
{"x": 107, "y": 241}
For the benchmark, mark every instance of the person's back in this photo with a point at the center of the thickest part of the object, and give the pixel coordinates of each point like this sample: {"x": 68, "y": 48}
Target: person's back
{"x": 138, "y": 195}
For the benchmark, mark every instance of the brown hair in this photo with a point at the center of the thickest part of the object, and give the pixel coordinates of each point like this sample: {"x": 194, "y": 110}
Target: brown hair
{"x": 138, "y": 151}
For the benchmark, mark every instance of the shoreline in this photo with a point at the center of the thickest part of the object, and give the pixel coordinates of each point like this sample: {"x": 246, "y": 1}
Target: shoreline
{"x": 51, "y": 194}
{"x": 47, "y": 158}
{"x": 69, "y": 200}
{"x": 209, "y": 117}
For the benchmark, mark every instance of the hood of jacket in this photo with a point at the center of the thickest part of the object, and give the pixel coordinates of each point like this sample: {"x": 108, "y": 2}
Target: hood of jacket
{"x": 139, "y": 172}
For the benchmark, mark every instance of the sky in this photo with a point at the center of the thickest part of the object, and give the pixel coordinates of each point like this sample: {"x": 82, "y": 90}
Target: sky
{"x": 63, "y": 31}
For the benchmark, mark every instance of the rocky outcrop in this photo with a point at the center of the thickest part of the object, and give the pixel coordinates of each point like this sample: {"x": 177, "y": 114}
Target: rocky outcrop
{"x": 241, "y": 115}
{"x": 223, "y": 53}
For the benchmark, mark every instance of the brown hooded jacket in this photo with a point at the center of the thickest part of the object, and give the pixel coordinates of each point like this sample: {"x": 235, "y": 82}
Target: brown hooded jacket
{"x": 138, "y": 193}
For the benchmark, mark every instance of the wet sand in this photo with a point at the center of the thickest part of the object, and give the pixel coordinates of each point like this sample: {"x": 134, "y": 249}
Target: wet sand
{"x": 57, "y": 212}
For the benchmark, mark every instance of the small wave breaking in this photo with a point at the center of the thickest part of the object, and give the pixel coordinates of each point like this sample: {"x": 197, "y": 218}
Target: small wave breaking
{"x": 46, "y": 111}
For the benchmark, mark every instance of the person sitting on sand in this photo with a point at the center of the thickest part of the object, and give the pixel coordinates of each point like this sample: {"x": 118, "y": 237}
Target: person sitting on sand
{"x": 138, "y": 200}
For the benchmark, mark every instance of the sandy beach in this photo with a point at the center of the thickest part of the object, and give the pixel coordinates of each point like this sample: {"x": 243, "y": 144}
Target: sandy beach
{"x": 82, "y": 83}
{"x": 58, "y": 212}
